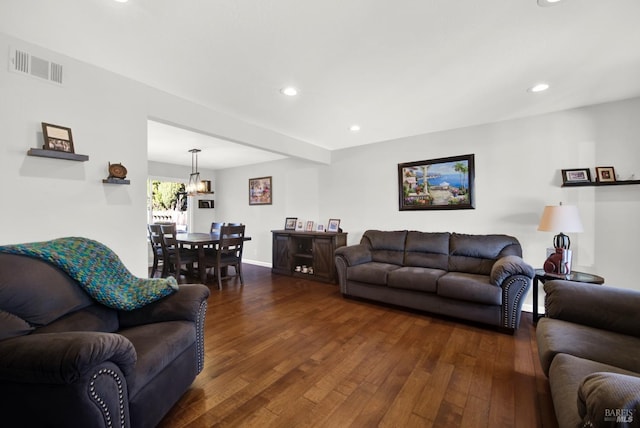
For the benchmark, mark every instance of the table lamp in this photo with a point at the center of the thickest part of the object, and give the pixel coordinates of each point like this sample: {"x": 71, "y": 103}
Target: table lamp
{"x": 561, "y": 218}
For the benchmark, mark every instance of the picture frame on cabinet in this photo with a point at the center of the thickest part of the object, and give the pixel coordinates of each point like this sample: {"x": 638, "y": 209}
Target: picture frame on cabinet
{"x": 605, "y": 174}
{"x": 290, "y": 223}
{"x": 309, "y": 227}
{"x": 320, "y": 228}
{"x": 333, "y": 225}
{"x": 576, "y": 175}
{"x": 299, "y": 226}
{"x": 58, "y": 138}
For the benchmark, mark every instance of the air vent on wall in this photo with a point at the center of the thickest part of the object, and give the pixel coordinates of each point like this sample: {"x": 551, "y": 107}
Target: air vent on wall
{"x": 24, "y": 63}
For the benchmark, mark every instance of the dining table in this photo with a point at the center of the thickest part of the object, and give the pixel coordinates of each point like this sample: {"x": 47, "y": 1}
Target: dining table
{"x": 200, "y": 241}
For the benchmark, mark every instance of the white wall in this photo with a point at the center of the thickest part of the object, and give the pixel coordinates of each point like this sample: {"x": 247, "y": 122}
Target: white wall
{"x": 518, "y": 165}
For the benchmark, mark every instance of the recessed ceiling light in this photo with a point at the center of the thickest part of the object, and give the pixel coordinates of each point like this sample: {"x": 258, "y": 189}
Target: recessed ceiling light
{"x": 540, "y": 87}
{"x": 122, "y": 1}
{"x": 354, "y": 128}
{"x": 289, "y": 91}
{"x": 545, "y": 3}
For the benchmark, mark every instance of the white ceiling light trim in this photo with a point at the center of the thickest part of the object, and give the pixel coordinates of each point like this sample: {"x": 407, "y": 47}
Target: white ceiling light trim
{"x": 354, "y": 128}
{"x": 289, "y": 91}
{"x": 539, "y": 87}
{"x": 545, "y": 3}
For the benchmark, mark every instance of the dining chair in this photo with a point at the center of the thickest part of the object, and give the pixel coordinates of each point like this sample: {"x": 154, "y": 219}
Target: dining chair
{"x": 176, "y": 255}
{"x": 215, "y": 227}
{"x": 228, "y": 253}
{"x": 234, "y": 224}
{"x": 155, "y": 239}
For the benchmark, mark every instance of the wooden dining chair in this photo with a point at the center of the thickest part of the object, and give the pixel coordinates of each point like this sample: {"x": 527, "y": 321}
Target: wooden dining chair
{"x": 215, "y": 227}
{"x": 234, "y": 224}
{"x": 155, "y": 239}
{"x": 175, "y": 255}
{"x": 228, "y": 253}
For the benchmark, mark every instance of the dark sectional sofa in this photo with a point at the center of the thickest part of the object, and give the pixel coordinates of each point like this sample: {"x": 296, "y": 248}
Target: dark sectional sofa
{"x": 589, "y": 346}
{"x": 474, "y": 277}
{"x": 68, "y": 361}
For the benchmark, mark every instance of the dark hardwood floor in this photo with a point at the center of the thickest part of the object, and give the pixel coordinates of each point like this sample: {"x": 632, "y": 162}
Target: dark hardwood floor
{"x": 285, "y": 352}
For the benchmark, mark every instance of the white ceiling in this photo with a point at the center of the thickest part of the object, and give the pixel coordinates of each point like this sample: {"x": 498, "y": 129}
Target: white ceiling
{"x": 396, "y": 68}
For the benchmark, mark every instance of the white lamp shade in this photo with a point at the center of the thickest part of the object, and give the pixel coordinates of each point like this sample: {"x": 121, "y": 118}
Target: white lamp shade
{"x": 562, "y": 218}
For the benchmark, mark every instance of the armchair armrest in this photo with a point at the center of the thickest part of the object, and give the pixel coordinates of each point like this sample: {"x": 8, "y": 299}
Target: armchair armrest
{"x": 508, "y": 266}
{"x": 62, "y": 358}
{"x": 354, "y": 254}
{"x": 606, "y": 399}
{"x": 183, "y": 305}
{"x": 598, "y": 306}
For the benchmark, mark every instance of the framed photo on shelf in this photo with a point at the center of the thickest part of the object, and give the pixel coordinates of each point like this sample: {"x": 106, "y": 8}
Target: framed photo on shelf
{"x": 333, "y": 225}
{"x": 309, "y": 227}
{"x": 320, "y": 228}
{"x": 260, "y": 191}
{"x": 290, "y": 223}
{"x": 437, "y": 184}
{"x": 605, "y": 174}
{"x": 57, "y": 138}
{"x": 576, "y": 175}
{"x": 299, "y": 226}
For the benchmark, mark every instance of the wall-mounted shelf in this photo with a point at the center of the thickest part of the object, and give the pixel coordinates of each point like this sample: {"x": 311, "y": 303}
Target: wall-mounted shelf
{"x": 113, "y": 180}
{"x": 601, "y": 183}
{"x": 43, "y": 153}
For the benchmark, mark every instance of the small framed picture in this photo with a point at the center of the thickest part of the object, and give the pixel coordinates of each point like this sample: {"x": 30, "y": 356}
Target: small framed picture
{"x": 333, "y": 225}
{"x": 299, "y": 226}
{"x": 57, "y": 138}
{"x": 260, "y": 191}
{"x": 320, "y": 228}
{"x": 605, "y": 174}
{"x": 577, "y": 175}
{"x": 290, "y": 223}
{"x": 309, "y": 227}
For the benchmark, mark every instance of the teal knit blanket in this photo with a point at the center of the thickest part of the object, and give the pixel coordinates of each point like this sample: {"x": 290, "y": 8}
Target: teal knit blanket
{"x": 98, "y": 270}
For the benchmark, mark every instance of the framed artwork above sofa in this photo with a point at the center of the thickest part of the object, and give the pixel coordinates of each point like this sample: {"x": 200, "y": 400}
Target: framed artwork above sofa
{"x": 437, "y": 184}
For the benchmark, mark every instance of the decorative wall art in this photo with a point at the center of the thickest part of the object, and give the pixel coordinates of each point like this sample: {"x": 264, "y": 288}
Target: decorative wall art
{"x": 290, "y": 223}
{"x": 576, "y": 175}
{"x": 437, "y": 184}
{"x": 57, "y": 138}
{"x": 605, "y": 174}
{"x": 260, "y": 191}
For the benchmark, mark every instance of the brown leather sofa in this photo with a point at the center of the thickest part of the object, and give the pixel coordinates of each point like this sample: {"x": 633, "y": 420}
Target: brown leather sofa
{"x": 474, "y": 277}
{"x": 67, "y": 360}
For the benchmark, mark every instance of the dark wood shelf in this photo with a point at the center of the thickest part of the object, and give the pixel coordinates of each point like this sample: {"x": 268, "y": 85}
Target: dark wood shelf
{"x": 43, "y": 153}
{"x": 116, "y": 181}
{"x": 601, "y": 183}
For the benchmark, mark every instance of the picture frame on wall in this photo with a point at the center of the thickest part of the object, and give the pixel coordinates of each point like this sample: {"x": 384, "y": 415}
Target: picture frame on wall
{"x": 58, "y": 138}
{"x": 605, "y": 174}
{"x": 260, "y": 191}
{"x": 290, "y": 223}
{"x": 576, "y": 175}
{"x": 437, "y": 184}
{"x": 333, "y": 225}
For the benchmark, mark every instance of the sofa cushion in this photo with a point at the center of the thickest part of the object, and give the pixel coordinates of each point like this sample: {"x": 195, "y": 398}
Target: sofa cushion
{"x": 557, "y": 336}
{"x": 477, "y": 253}
{"x": 386, "y": 246}
{"x": 92, "y": 318}
{"x": 415, "y": 278}
{"x": 425, "y": 249}
{"x": 156, "y": 346}
{"x": 24, "y": 293}
{"x": 565, "y": 377}
{"x": 605, "y": 397}
{"x": 12, "y": 326}
{"x": 372, "y": 273}
{"x": 469, "y": 287}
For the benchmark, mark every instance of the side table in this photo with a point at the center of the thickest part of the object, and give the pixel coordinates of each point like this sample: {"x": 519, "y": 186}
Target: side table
{"x": 542, "y": 277}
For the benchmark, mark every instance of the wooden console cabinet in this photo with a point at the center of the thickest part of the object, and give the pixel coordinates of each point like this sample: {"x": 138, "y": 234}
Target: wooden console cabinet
{"x": 311, "y": 249}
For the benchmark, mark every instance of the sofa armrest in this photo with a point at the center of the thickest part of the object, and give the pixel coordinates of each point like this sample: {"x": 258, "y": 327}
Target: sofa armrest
{"x": 183, "y": 305}
{"x": 598, "y": 306}
{"x": 354, "y": 254}
{"x": 509, "y": 266}
{"x": 62, "y": 358}
{"x": 609, "y": 399}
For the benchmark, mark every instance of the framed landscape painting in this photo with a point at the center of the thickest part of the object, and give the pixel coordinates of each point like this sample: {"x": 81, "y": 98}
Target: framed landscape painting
{"x": 437, "y": 184}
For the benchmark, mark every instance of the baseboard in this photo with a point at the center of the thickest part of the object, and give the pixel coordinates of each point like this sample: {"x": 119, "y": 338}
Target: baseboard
{"x": 257, "y": 263}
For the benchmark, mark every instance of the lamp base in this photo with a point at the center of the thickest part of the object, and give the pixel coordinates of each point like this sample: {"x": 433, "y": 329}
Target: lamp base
{"x": 559, "y": 262}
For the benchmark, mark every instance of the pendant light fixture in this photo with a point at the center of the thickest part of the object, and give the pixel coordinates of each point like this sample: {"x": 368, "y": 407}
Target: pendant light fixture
{"x": 194, "y": 179}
